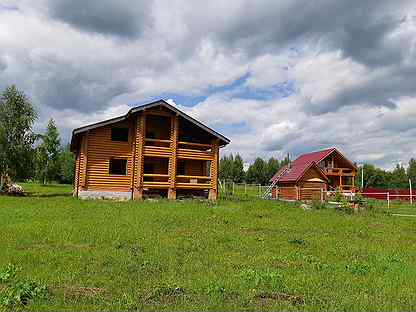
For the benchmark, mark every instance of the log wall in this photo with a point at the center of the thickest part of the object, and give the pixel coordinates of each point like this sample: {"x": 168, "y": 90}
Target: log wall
{"x": 99, "y": 152}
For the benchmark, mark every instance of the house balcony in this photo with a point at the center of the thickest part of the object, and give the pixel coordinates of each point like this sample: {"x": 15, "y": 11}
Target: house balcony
{"x": 339, "y": 172}
{"x": 347, "y": 188}
{"x": 195, "y": 151}
{"x": 186, "y": 150}
{"x": 193, "y": 182}
{"x": 192, "y": 172}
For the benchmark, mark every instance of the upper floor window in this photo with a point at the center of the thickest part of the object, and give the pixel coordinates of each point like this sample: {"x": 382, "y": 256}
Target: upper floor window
{"x": 120, "y": 134}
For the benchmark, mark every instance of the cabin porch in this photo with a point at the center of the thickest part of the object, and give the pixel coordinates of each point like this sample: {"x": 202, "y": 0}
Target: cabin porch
{"x": 343, "y": 183}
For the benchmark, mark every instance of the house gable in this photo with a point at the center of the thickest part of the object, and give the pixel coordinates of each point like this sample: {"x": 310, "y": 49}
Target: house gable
{"x": 158, "y": 107}
{"x": 336, "y": 159}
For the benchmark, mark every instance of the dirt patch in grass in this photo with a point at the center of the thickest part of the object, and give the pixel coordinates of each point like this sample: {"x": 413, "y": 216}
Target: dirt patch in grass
{"x": 292, "y": 298}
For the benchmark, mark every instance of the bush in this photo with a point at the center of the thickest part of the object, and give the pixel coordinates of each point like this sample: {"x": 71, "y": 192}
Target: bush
{"x": 339, "y": 197}
{"x": 360, "y": 200}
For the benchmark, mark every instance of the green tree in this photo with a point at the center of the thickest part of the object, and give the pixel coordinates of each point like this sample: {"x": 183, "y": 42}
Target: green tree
{"x": 48, "y": 167}
{"x": 373, "y": 177}
{"x": 226, "y": 168}
{"x": 379, "y": 178}
{"x": 411, "y": 170}
{"x": 67, "y": 165}
{"x": 285, "y": 161}
{"x": 273, "y": 166}
{"x": 399, "y": 178}
{"x": 257, "y": 172}
{"x": 41, "y": 163}
{"x": 231, "y": 168}
{"x": 238, "y": 169}
{"x": 17, "y": 116}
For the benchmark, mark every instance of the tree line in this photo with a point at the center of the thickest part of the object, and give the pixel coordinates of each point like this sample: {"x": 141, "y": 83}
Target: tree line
{"x": 261, "y": 171}
{"x": 24, "y": 154}
{"x": 398, "y": 178}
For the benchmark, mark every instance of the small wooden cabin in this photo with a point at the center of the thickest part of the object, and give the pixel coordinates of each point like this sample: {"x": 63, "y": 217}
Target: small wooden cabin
{"x": 311, "y": 175}
{"x": 153, "y": 150}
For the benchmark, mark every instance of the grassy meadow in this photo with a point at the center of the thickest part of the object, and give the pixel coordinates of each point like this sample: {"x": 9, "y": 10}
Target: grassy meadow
{"x": 195, "y": 256}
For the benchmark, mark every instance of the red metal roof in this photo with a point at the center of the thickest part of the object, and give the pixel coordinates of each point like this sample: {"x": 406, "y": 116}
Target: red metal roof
{"x": 300, "y": 165}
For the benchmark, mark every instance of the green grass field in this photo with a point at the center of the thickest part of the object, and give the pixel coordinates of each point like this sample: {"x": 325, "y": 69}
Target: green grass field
{"x": 196, "y": 256}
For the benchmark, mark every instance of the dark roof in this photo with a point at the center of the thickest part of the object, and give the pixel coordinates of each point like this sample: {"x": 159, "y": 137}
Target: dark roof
{"x": 140, "y": 108}
{"x": 301, "y": 164}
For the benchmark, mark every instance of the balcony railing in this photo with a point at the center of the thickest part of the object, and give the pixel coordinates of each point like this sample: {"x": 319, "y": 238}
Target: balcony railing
{"x": 195, "y": 146}
{"x": 339, "y": 171}
{"x": 186, "y": 150}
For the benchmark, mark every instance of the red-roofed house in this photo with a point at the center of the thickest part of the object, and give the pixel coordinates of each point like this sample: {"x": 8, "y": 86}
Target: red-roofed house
{"x": 311, "y": 174}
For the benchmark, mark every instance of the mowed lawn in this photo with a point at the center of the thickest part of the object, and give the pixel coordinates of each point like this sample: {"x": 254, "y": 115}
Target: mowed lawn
{"x": 196, "y": 256}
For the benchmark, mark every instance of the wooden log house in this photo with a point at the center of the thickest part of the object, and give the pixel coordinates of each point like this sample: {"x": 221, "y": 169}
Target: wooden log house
{"x": 153, "y": 150}
{"x": 311, "y": 175}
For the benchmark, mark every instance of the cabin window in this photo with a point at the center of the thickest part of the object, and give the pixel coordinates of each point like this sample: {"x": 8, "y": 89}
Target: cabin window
{"x": 180, "y": 168}
{"x": 120, "y": 134}
{"x": 118, "y": 166}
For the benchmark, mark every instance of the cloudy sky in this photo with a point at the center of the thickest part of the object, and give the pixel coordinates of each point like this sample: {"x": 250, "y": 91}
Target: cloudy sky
{"x": 276, "y": 77}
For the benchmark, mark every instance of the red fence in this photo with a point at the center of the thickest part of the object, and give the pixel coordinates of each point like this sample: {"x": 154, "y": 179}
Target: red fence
{"x": 394, "y": 194}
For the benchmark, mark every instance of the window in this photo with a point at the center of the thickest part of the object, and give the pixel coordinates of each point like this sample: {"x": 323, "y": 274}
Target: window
{"x": 120, "y": 134}
{"x": 180, "y": 168}
{"x": 118, "y": 166}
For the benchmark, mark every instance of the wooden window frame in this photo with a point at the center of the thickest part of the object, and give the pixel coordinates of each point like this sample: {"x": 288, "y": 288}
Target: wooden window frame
{"x": 115, "y": 174}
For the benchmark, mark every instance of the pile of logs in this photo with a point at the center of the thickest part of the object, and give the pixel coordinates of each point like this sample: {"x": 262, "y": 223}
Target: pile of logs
{"x": 9, "y": 188}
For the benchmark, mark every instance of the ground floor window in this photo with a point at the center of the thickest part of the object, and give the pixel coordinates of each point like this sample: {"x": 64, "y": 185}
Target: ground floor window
{"x": 118, "y": 166}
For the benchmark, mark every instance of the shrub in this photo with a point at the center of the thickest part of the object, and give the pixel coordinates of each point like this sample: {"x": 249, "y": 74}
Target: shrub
{"x": 360, "y": 200}
{"x": 20, "y": 293}
{"x": 338, "y": 196}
